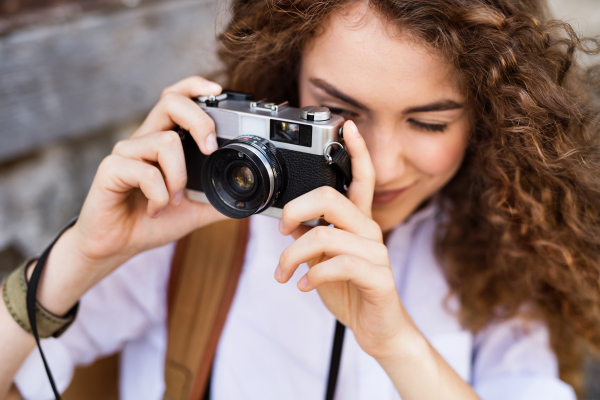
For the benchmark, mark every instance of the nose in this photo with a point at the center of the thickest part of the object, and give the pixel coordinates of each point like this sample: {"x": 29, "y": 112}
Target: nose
{"x": 386, "y": 153}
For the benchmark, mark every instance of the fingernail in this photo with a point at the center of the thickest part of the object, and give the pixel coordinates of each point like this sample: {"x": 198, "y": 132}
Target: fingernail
{"x": 278, "y": 272}
{"x": 211, "y": 143}
{"x": 281, "y": 225}
{"x": 158, "y": 213}
{"x": 303, "y": 283}
{"x": 212, "y": 85}
{"x": 177, "y": 198}
{"x": 354, "y": 129}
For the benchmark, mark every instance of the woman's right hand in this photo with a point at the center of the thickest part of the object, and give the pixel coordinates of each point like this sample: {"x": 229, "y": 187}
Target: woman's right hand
{"x": 136, "y": 200}
{"x": 135, "y": 203}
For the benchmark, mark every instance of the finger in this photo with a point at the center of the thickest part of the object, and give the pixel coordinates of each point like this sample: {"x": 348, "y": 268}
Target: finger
{"x": 300, "y": 230}
{"x": 174, "y": 109}
{"x": 335, "y": 209}
{"x": 195, "y": 215}
{"x": 120, "y": 174}
{"x": 166, "y": 149}
{"x": 362, "y": 187}
{"x": 366, "y": 276}
{"x": 194, "y": 86}
{"x": 331, "y": 242}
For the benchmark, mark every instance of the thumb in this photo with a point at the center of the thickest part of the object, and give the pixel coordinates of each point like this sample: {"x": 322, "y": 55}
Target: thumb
{"x": 196, "y": 214}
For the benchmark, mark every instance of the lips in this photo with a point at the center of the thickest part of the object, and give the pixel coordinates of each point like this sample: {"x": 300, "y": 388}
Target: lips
{"x": 381, "y": 197}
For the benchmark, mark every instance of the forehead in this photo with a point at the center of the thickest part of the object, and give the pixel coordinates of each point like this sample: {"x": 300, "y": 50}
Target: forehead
{"x": 357, "y": 48}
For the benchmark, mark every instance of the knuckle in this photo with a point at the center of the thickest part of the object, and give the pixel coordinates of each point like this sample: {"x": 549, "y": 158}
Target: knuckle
{"x": 168, "y": 98}
{"x": 285, "y": 258}
{"x": 108, "y": 162}
{"x": 287, "y": 214}
{"x": 152, "y": 173}
{"x": 327, "y": 194}
{"x": 166, "y": 90}
{"x": 350, "y": 262}
{"x": 169, "y": 138}
{"x": 322, "y": 234}
{"x": 375, "y": 230}
{"x": 382, "y": 251}
{"x": 119, "y": 146}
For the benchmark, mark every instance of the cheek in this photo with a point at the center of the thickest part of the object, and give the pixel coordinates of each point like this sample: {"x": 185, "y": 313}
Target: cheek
{"x": 437, "y": 153}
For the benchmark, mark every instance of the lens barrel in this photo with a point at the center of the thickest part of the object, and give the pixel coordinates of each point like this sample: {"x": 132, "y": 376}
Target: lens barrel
{"x": 244, "y": 177}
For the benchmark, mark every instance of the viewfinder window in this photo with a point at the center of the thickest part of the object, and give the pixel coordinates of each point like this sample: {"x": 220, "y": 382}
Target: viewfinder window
{"x": 285, "y": 132}
{"x": 292, "y": 133}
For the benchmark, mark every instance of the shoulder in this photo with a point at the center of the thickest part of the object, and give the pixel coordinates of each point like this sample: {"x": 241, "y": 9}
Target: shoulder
{"x": 514, "y": 358}
{"x": 509, "y": 359}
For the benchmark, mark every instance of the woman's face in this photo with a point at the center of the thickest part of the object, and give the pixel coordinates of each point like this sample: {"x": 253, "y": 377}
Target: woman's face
{"x": 404, "y": 99}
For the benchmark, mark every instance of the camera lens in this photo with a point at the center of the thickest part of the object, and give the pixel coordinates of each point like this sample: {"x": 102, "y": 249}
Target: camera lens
{"x": 244, "y": 177}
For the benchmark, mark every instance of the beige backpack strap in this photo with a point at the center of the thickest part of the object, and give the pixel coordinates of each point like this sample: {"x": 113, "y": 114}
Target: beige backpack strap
{"x": 13, "y": 394}
{"x": 204, "y": 275}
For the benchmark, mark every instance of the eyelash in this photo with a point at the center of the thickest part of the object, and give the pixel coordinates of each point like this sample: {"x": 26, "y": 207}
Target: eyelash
{"x": 345, "y": 113}
{"x": 418, "y": 124}
{"x": 428, "y": 127}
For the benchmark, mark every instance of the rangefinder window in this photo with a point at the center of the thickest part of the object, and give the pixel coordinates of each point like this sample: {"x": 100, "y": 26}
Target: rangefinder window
{"x": 285, "y": 132}
{"x": 289, "y": 132}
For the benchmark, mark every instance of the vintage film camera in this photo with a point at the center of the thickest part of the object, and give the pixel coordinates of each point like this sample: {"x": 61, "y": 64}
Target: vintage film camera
{"x": 268, "y": 155}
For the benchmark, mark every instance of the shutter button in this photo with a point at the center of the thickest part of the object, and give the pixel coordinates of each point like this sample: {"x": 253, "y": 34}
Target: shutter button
{"x": 314, "y": 113}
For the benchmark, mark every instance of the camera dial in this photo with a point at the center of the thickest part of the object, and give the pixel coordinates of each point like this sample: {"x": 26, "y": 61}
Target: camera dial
{"x": 244, "y": 177}
{"x": 315, "y": 113}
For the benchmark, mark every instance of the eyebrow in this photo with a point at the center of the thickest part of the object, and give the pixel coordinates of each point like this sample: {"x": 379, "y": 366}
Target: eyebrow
{"x": 442, "y": 105}
{"x": 332, "y": 91}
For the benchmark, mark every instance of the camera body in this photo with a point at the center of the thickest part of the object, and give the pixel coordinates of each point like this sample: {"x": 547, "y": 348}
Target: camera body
{"x": 268, "y": 155}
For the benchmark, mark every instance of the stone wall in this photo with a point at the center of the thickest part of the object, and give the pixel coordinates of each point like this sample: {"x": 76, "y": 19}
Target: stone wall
{"x": 74, "y": 82}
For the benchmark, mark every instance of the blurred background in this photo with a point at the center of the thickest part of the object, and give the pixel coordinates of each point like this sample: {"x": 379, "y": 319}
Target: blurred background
{"x": 77, "y": 76}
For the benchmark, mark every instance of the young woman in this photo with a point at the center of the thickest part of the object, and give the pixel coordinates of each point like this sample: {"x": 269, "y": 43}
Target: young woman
{"x": 474, "y": 147}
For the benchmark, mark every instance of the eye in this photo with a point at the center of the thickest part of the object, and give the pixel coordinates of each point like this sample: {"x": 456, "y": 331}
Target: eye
{"x": 344, "y": 113}
{"x": 427, "y": 127}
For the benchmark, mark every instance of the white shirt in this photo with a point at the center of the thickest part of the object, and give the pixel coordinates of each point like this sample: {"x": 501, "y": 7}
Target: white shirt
{"x": 277, "y": 340}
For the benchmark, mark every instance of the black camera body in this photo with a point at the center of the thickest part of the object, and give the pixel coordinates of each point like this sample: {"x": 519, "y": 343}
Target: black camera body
{"x": 268, "y": 155}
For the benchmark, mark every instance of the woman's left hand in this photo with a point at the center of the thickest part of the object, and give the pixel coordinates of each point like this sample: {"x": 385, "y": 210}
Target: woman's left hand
{"x": 349, "y": 264}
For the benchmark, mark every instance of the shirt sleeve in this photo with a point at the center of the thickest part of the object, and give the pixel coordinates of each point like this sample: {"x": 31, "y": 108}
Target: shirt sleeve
{"x": 513, "y": 360}
{"x": 114, "y": 314}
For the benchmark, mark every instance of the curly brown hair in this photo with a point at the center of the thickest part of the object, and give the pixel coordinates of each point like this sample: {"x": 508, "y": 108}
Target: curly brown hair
{"x": 524, "y": 209}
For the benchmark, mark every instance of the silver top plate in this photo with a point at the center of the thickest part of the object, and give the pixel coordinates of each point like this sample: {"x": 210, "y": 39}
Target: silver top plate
{"x": 234, "y": 118}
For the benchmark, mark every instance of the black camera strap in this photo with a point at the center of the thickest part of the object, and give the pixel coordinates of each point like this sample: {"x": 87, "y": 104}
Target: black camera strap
{"x": 31, "y": 302}
{"x": 334, "y": 364}
{"x": 336, "y": 355}
{"x": 338, "y": 339}
{"x": 340, "y": 159}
